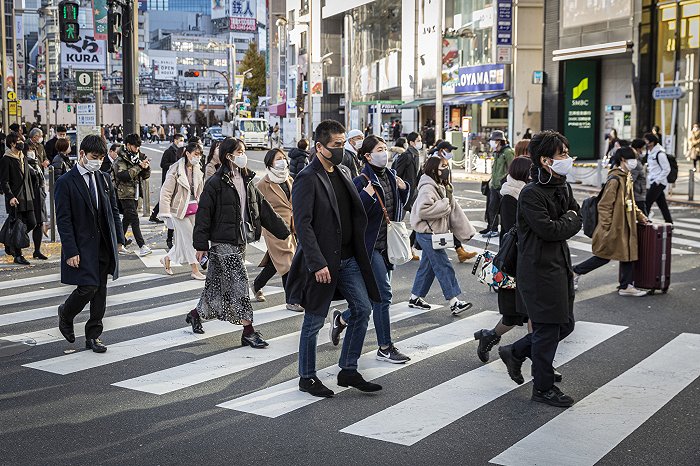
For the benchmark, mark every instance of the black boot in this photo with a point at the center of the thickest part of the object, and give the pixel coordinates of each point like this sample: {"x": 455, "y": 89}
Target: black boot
{"x": 196, "y": 322}
{"x": 513, "y": 364}
{"x": 487, "y": 340}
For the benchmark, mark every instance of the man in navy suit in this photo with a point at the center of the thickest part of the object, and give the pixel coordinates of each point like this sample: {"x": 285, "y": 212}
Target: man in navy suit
{"x": 91, "y": 232}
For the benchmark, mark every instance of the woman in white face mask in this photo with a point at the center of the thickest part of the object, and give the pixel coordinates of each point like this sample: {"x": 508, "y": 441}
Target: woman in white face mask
{"x": 380, "y": 190}
{"x": 276, "y": 188}
{"x": 615, "y": 236}
{"x": 179, "y": 198}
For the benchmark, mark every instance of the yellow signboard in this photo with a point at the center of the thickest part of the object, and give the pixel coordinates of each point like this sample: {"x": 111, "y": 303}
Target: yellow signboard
{"x": 12, "y": 108}
{"x": 11, "y": 95}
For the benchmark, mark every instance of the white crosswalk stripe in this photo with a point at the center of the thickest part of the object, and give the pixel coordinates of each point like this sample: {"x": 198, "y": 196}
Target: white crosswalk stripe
{"x": 19, "y": 282}
{"x": 285, "y": 397}
{"x": 585, "y": 433}
{"x": 460, "y": 396}
{"x": 67, "y": 289}
{"x": 236, "y": 360}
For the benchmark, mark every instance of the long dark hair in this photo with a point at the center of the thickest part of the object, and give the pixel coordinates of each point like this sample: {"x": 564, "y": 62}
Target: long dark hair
{"x": 227, "y": 147}
{"x": 431, "y": 167}
{"x": 212, "y": 150}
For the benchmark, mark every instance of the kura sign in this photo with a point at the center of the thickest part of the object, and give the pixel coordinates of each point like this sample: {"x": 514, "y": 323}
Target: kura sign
{"x": 86, "y": 54}
{"x": 481, "y": 78}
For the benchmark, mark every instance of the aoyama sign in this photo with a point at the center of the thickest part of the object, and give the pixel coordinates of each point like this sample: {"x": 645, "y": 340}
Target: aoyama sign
{"x": 482, "y": 78}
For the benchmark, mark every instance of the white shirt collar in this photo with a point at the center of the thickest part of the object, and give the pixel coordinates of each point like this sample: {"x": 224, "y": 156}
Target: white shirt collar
{"x": 83, "y": 171}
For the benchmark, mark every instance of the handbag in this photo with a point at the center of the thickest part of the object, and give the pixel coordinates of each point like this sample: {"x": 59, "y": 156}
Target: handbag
{"x": 192, "y": 208}
{"x": 488, "y": 273}
{"x": 398, "y": 239}
{"x": 14, "y": 232}
{"x": 507, "y": 258}
{"x": 485, "y": 187}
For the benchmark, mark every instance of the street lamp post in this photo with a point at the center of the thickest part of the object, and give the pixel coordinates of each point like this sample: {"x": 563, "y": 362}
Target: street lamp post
{"x": 3, "y": 63}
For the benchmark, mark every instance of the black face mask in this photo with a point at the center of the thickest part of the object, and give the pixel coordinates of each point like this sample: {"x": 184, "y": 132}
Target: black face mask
{"x": 19, "y": 146}
{"x": 445, "y": 174}
{"x": 336, "y": 155}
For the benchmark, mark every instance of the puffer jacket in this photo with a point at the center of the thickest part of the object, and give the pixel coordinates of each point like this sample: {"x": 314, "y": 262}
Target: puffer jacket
{"x": 434, "y": 212}
{"x": 128, "y": 176}
{"x": 298, "y": 159}
{"x": 218, "y": 217}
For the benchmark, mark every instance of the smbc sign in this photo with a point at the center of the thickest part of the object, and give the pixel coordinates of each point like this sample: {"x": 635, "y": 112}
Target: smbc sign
{"x": 580, "y": 108}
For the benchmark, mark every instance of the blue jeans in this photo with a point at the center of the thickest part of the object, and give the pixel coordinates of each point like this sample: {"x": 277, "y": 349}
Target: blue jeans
{"x": 352, "y": 286}
{"x": 380, "y": 310}
{"x": 434, "y": 262}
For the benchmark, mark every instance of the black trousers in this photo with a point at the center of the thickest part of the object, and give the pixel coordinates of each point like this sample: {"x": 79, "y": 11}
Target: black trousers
{"x": 28, "y": 218}
{"x": 540, "y": 346}
{"x": 265, "y": 275}
{"x": 131, "y": 219}
{"x": 655, "y": 193}
{"x": 95, "y": 295}
{"x": 643, "y": 207}
{"x": 494, "y": 204}
{"x": 156, "y": 210}
{"x": 594, "y": 262}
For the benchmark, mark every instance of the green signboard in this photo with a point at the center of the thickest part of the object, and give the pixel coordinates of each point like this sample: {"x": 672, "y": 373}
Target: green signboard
{"x": 580, "y": 108}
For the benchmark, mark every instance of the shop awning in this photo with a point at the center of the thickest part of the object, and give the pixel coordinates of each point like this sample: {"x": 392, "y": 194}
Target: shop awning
{"x": 417, "y": 103}
{"x": 278, "y": 109}
{"x": 466, "y": 99}
{"x": 597, "y": 50}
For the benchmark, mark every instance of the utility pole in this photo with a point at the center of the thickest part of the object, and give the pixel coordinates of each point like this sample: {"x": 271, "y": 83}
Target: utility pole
{"x": 439, "y": 111}
{"x": 47, "y": 78}
{"x": 129, "y": 66}
{"x": 3, "y": 63}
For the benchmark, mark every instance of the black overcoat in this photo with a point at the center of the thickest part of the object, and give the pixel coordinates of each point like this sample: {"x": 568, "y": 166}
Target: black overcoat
{"x": 77, "y": 224}
{"x": 317, "y": 223}
{"x": 548, "y": 215}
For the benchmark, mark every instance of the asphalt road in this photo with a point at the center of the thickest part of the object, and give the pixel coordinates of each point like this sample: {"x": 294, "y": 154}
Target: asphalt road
{"x": 632, "y": 364}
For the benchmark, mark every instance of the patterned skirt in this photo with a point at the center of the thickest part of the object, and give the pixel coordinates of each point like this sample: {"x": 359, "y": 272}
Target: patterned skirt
{"x": 225, "y": 295}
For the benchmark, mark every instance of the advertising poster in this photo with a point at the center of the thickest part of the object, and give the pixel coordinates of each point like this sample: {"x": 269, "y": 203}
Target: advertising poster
{"x": 580, "y": 107}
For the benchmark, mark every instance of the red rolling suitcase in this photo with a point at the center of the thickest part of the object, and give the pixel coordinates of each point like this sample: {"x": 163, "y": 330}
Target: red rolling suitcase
{"x": 653, "y": 269}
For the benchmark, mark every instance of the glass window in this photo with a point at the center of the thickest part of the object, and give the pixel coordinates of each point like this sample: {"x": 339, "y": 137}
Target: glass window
{"x": 253, "y": 126}
{"x": 473, "y": 22}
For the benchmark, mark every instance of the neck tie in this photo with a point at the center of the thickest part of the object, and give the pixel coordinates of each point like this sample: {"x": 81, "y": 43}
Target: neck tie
{"x": 91, "y": 188}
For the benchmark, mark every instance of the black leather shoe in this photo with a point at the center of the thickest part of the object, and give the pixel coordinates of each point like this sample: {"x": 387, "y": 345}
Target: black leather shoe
{"x": 552, "y": 397}
{"x": 39, "y": 255}
{"x": 95, "y": 345}
{"x": 487, "y": 340}
{"x": 21, "y": 260}
{"x": 513, "y": 364}
{"x": 65, "y": 327}
{"x": 315, "y": 387}
{"x": 155, "y": 219}
{"x": 353, "y": 379}
{"x": 254, "y": 340}
{"x": 196, "y": 323}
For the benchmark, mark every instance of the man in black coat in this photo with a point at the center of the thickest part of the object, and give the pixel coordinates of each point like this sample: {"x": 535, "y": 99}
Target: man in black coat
{"x": 50, "y": 145}
{"x": 407, "y": 166}
{"x": 91, "y": 232}
{"x": 331, "y": 257}
{"x": 548, "y": 215}
{"x": 168, "y": 159}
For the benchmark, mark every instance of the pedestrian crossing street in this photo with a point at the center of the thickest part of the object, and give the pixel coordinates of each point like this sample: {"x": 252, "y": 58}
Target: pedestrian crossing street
{"x": 581, "y": 435}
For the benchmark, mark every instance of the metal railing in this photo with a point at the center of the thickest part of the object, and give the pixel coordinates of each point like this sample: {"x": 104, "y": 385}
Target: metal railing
{"x": 691, "y": 184}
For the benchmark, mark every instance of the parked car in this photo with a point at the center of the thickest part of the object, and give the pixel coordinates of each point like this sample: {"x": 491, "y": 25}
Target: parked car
{"x": 213, "y": 134}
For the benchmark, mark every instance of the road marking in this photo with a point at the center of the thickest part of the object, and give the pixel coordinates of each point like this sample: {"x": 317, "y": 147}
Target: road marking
{"x": 68, "y": 289}
{"x": 692, "y": 220}
{"x": 583, "y": 434}
{"x": 685, "y": 225}
{"x": 160, "y": 151}
{"x": 259, "y": 245}
{"x": 285, "y": 397}
{"x": 454, "y": 399}
{"x": 84, "y": 360}
{"x": 236, "y": 360}
{"x": 462, "y": 198}
{"x": 51, "y": 335}
{"x": 19, "y": 282}
{"x": 153, "y": 260}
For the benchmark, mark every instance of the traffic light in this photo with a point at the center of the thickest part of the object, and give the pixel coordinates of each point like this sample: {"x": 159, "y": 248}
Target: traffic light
{"x": 114, "y": 30}
{"x": 192, "y": 74}
{"x": 68, "y": 21}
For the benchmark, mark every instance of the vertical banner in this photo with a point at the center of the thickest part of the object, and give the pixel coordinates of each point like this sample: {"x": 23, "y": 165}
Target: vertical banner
{"x": 99, "y": 10}
{"x": 580, "y": 108}
{"x": 316, "y": 81}
{"x": 41, "y": 85}
{"x": 19, "y": 41}
{"x": 238, "y": 87}
{"x": 450, "y": 65}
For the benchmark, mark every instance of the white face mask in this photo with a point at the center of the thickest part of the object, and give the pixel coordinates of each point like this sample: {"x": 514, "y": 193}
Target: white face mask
{"x": 493, "y": 145}
{"x": 31, "y": 155}
{"x": 379, "y": 159}
{"x": 447, "y": 155}
{"x": 358, "y": 144}
{"x": 419, "y": 145}
{"x": 195, "y": 160}
{"x": 91, "y": 165}
{"x": 240, "y": 161}
{"x": 181, "y": 144}
{"x": 562, "y": 167}
{"x": 631, "y": 163}
{"x": 279, "y": 164}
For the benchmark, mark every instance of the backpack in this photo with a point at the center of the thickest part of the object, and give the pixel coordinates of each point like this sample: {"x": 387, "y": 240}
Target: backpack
{"x": 673, "y": 175}
{"x": 589, "y": 211}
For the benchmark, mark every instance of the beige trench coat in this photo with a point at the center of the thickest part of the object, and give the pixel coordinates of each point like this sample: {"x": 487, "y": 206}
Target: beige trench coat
{"x": 280, "y": 251}
{"x": 175, "y": 193}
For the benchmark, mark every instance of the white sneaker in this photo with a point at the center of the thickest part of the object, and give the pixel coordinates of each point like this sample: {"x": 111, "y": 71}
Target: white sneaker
{"x": 576, "y": 277}
{"x": 122, "y": 250}
{"x": 632, "y": 291}
{"x": 144, "y": 251}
